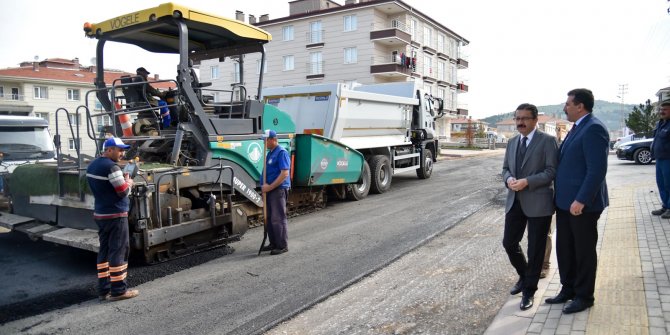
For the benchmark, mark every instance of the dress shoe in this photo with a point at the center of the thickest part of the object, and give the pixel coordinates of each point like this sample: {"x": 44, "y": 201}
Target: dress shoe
{"x": 543, "y": 273}
{"x": 278, "y": 251}
{"x": 577, "y": 305}
{"x": 526, "y": 302}
{"x": 659, "y": 211}
{"x": 268, "y": 247}
{"x": 517, "y": 287}
{"x": 561, "y": 298}
{"x": 105, "y": 297}
{"x": 665, "y": 215}
{"x": 126, "y": 295}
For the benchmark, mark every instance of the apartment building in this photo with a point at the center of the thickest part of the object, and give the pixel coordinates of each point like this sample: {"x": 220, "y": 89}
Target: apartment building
{"x": 376, "y": 41}
{"x": 41, "y": 88}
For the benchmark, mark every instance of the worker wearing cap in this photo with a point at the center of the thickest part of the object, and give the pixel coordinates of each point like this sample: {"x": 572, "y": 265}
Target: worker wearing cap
{"x": 110, "y": 188}
{"x": 150, "y": 91}
{"x": 277, "y": 167}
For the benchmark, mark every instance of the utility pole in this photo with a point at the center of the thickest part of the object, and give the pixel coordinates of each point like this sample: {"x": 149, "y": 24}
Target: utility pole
{"x": 623, "y": 89}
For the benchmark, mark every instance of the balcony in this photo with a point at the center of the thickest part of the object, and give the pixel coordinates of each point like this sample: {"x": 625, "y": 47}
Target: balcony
{"x": 461, "y": 63}
{"x": 390, "y": 67}
{"x": 14, "y": 103}
{"x": 462, "y": 110}
{"x": 429, "y": 50}
{"x": 462, "y": 88}
{"x": 315, "y": 70}
{"x": 394, "y": 34}
{"x": 314, "y": 39}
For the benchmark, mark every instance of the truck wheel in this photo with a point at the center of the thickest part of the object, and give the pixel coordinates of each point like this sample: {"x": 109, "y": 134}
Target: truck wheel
{"x": 426, "y": 168}
{"x": 380, "y": 169}
{"x": 359, "y": 191}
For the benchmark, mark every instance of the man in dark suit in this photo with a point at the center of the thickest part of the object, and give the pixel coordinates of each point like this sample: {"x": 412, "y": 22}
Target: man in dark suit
{"x": 528, "y": 172}
{"x": 581, "y": 196}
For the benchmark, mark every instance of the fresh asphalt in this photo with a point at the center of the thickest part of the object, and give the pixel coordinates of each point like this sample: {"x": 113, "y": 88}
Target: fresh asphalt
{"x": 242, "y": 293}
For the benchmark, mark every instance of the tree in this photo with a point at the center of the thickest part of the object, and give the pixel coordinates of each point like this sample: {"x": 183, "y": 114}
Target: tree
{"x": 642, "y": 119}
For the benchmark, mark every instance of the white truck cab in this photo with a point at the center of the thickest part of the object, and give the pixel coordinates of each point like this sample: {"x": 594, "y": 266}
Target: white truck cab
{"x": 24, "y": 140}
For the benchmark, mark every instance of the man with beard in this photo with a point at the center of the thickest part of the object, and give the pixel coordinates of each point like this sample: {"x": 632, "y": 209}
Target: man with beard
{"x": 660, "y": 149}
{"x": 528, "y": 173}
{"x": 581, "y": 196}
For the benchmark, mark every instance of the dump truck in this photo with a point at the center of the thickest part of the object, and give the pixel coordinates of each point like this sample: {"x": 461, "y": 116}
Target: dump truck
{"x": 391, "y": 124}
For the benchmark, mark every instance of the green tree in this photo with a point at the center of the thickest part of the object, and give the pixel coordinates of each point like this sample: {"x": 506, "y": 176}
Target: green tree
{"x": 642, "y": 119}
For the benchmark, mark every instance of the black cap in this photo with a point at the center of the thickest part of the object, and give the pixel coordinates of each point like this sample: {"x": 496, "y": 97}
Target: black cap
{"x": 141, "y": 70}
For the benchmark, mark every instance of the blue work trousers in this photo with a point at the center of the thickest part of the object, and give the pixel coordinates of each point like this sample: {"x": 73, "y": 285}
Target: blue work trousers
{"x": 663, "y": 181}
{"x": 276, "y": 220}
{"x": 113, "y": 256}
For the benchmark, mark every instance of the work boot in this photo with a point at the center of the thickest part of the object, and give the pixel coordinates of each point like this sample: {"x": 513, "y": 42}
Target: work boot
{"x": 659, "y": 211}
{"x": 665, "y": 215}
{"x": 127, "y": 295}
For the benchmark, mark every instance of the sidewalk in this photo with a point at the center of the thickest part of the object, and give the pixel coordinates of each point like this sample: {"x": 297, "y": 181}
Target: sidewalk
{"x": 462, "y": 153}
{"x": 632, "y": 294}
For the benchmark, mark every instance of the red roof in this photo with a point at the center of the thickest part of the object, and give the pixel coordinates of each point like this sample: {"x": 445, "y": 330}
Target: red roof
{"x": 464, "y": 120}
{"x": 82, "y": 75}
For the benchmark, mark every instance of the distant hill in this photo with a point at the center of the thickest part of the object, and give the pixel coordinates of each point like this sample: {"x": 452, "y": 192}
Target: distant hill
{"x": 608, "y": 112}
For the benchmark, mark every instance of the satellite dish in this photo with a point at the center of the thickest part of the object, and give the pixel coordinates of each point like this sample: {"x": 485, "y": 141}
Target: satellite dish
{"x": 37, "y": 57}
{"x": 93, "y": 60}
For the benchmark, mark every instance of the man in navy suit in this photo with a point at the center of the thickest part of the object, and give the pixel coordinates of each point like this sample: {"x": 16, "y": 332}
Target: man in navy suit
{"x": 581, "y": 196}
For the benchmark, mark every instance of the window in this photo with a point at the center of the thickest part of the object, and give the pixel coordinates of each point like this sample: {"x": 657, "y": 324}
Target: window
{"x": 98, "y": 105}
{"x": 236, "y": 72}
{"x": 440, "y": 93}
{"x": 316, "y": 63}
{"x": 452, "y": 73}
{"x": 440, "y": 71}
{"x": 42, "y": 115}
{"x": 214, "y": 72}
{"x": 427, "y": 66}
{"x": 413, "y": 26}
{"x": 289, "y": 63}
{"x": 40, "y": 92}
{"x": 350, "y": 55}
{"x": 427, "y": 36}
{"x": 287, "y": 33}
{"x": 440, "y": 43}
{"x": 72, "y": 94}
{"x": 15, "y": 93}
{"x": 258, "y": 66}
{"x": 74, "y": 118}
{"x": 315, "y": 33}
{"x": 350, "y": 23}
{"x": 103, "y": 121}
{"x": 428, "y": 89}
{"x": 71, "y": 143}
{"x": 2, "y": 92}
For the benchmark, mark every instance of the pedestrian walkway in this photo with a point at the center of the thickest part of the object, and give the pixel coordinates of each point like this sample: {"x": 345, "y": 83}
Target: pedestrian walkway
{"x": 632, "y": 294}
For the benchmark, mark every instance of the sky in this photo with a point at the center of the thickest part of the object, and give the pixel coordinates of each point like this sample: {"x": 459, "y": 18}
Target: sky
{"x": 520, "y": 50}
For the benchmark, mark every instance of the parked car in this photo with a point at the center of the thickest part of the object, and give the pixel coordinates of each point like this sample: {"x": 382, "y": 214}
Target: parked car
{"x": 638, "y": 151}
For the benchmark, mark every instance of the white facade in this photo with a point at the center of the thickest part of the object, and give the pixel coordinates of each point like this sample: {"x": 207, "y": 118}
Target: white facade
{"x": 360, "y": 42}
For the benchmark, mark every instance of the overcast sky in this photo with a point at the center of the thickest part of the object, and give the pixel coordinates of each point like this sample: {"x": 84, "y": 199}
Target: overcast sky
{"x": 520, "y": 50}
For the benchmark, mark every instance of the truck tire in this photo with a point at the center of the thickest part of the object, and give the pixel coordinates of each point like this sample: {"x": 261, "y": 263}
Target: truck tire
{"x": 359, "y": 191}
{"x": 426, "y": 168}
{"x": 380, "y": 170}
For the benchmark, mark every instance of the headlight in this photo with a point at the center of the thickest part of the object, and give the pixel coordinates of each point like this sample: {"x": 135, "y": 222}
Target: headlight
{"x": 625, "y": 147}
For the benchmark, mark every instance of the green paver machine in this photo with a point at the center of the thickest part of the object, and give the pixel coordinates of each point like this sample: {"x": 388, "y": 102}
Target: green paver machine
{"x": 199, "y": 174}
